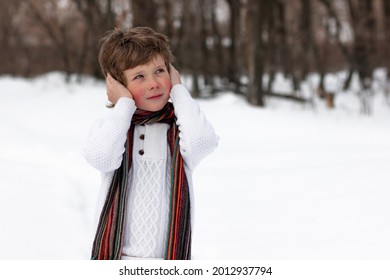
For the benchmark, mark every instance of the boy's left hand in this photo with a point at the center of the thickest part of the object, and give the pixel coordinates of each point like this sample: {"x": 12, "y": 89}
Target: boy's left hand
{"x": 175, "y": 76}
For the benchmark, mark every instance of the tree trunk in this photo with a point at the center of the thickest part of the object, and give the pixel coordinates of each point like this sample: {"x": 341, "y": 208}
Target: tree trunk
{"x": 144, "y": 13}
{"x": 233, "y": 72}
{"x": 255, "y": 94}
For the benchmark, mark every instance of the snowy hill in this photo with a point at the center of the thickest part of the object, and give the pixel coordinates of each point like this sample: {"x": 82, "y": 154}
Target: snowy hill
{"x": 286, "y": 182}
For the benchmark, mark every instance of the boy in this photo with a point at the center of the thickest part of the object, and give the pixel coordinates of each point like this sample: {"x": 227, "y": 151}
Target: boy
{"x": 146, "y": 149}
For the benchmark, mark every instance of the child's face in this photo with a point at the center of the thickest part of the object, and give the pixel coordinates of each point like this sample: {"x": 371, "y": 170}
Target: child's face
{"x": 150, "y": 84}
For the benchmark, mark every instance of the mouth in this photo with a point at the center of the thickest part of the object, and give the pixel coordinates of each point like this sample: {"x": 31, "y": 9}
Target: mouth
{"x": 156, "y": 96}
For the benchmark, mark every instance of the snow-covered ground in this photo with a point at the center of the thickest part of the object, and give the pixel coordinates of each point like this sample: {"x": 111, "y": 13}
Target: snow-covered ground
{"x": 286, "y": 182}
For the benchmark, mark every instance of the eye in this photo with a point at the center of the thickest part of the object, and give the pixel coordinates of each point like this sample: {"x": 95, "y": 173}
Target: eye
{"x": 160, "y": 70}
{"x": 138, "y": 77}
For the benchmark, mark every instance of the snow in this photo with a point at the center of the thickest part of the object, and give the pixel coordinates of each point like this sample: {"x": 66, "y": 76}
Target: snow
{"x": 286, "y": 182}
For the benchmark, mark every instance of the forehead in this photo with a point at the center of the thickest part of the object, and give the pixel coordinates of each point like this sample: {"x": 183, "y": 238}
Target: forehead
{"x": 156, "y": 61}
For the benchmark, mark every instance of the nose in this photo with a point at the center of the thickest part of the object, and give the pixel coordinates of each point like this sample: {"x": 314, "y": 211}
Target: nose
{"x": 152, "y": 83}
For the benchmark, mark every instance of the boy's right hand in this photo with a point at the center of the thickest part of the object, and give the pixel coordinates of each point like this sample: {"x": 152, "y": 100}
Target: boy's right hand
{"x": 116, "y": 90}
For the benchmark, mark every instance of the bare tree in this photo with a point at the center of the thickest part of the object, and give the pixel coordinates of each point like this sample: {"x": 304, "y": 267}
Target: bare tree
{"x": 233, "y": 71}
{"x": 12, "y": 53}
{"x": 256, "y": 13}
{"x": 213, "y": 40}
{"x": 144, "y": 13}
{"x": 56, "y": 31}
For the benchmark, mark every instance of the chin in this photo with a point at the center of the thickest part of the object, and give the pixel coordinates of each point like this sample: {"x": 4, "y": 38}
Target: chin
{"x": 160, "y": 107}
{"x": 154, "y": 108}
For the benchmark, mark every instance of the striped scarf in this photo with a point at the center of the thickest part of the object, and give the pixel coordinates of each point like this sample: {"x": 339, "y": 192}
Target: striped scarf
{"x": 110, "y": 230}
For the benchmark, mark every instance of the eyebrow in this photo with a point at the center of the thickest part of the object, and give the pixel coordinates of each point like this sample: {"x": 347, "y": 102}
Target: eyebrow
{"x": 141, "y": 71}
{"x": 137, "y": 73}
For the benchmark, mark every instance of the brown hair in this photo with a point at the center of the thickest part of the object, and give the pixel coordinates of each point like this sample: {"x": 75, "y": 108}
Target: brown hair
{"x": 121, "y": 50}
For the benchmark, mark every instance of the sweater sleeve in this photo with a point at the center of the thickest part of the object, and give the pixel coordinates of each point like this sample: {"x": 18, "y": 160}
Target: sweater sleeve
{"x": 105, "y": 142}
{"x": 197, "y": 136}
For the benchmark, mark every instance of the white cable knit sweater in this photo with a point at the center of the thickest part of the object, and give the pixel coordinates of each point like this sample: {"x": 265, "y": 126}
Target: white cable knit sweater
{"x": 146, "y": 221}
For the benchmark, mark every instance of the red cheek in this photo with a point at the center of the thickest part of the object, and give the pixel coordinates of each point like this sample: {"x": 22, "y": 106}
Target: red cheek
{"x": 136, "y": 92}
{"x": 167, "y": 84}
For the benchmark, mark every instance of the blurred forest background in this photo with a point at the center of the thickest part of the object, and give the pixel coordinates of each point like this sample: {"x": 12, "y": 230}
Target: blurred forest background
{"x": 222, "y": 44}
